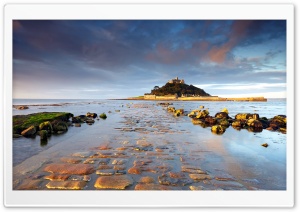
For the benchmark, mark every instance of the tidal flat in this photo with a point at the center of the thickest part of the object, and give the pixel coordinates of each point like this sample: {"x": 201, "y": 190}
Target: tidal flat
{"x": 142, "y": 146}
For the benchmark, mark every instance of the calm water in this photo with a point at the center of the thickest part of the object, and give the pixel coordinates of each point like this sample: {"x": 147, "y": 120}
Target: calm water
{"x": 235, "y": 154}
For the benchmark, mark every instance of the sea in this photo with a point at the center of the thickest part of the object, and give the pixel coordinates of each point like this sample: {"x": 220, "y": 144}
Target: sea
{"x": 235, "y": 160}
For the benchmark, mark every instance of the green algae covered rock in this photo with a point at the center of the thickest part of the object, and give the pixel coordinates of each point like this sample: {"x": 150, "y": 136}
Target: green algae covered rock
{"x": 22, "y": 122}
{"x": 103, "y": 116}
{"x": 46, "y": 126}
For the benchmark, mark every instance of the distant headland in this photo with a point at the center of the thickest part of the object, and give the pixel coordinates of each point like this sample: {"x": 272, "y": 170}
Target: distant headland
{"x": 176, "y": 90}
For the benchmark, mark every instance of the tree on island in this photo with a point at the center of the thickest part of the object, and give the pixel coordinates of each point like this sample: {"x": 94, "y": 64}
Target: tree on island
{"x": 180, "y": 89}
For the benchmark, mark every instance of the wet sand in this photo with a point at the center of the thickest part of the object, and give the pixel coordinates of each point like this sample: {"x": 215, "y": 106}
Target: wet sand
{"x": 143, "y": 147}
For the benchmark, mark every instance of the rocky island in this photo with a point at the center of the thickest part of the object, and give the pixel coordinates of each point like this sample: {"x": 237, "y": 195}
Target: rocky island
{"x": 177, "y": 90}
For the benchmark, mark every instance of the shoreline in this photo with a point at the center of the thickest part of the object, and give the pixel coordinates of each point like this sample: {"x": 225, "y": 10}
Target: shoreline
{"x": 221, "y": 99}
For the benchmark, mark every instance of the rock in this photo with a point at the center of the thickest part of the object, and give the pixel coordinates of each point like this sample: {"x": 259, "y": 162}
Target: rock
{"x": 225, "y": 110}
{"x": 29, "y": 132}
{"x": 70, "y": 160}
{"x": 28, "y": 184}
{"x": 265, "y": 123}
{"x": 202, "y": 114}
{"x": 59, "y": 126}
{"x": 113, "y": 182}
{"x": 101, "y": 167}
{"x": 142, "y": 162}
{"x": 104, "y": 161}
{"x": 146, "y": 179}
{"x": 238, "y": 123}
{"x": 22, "y": 107}
{"x": 179, "y": 175}
{"x": 192, "y": 170}
{"x": 254, "y": 123}
{"x": 119, "y": 162}
{"x": 76, "y": 169}
{"x": 134, "y": 170}
{"x": 107, "y": 172}
{"x": 246, "y": 116}
{"x": 120, "y": 172}
{"x": 81, "y": 154}
{"x": 265, "y": 145}
{"x": 171, "y": 109}
{"x": 196, "y": 188}
{"x": 210, "y": 120}
{"x": 200, "y": 122}
{"x": 43, "y": 135}
{"x": 201, "y": 107}
{"x": 117, "y": 111}
{"x": 57, "y": 177}
{"x": 85, "y": 178}
{"x": 17, "y": 135}
{"x": 90, "y": 121}
{"x": 103, "y": 116}
{"x": 218, "y": 129}
{"x": 278, "y": 122}
{"x": 223, "y": 122}
{"x": 91, "y": 115}
{"x": 77, "y": 125}
{"x": 143, "y": 143}
{"x": 66, "y": 185}
{"x": 46, "y": 126}
{"x": 222, "y": 115}
{"x": 119, "y": 167}
{"x": 150, "y": 186}
{"x": 165, "y": 180}
{"x": 199, "y": 177}
{"x": 89, "y": 161}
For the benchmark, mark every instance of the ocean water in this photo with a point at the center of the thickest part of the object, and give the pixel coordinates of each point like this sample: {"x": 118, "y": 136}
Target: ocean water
{"x": 236, "y": 155}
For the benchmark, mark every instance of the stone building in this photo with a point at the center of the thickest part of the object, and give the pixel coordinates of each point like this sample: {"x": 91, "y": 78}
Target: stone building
{"x": 176, "y": 80}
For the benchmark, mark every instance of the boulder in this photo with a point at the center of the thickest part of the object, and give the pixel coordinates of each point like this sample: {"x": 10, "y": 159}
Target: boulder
{"x": 202, "y": 114}
{"x": 254, "y": 123}
{"x": 79, "y": 119}
{"x": 171, "y": 109}
{"x": 91, "y": 115}
{"x": 223, "y": 122}
{"x": 29, "y": 132}
{"x": 103, "y": 116}
{"x": 90, "y": 121}
{"x": 238, "y": 123}
{"x": 210, "y": 120}
{"x": 247, "y": 116}
{"x": 221, "y": 115}
{"x": 22, "y": 107}
{"x": 218, "y": 129}
{"x": 59, "y": 126}
{"x": 46, "y": 126}
{"x": 278, "y": 122}
{"x": 225, "y": 110}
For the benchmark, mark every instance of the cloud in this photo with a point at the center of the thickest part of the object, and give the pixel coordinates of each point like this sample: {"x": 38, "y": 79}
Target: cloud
{"x": 218, "y": 54}
{"x": 92, "y": 55}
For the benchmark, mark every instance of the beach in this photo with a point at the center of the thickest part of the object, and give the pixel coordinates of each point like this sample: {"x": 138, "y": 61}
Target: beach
{"x": 142, "y": 146}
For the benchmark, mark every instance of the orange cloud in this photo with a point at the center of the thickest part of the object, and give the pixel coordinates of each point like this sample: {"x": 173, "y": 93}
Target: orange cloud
{"x": 239, "y": 30}
{"x": 17, "y": 25}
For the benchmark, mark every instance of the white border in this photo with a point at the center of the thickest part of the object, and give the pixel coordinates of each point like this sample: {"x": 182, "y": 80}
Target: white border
{"x": 146, "y": 198}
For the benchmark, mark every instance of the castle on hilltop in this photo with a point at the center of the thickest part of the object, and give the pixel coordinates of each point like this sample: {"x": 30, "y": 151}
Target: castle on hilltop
{"x": 176, "y": 80}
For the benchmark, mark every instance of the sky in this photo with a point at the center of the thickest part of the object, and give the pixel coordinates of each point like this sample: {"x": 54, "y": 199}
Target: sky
{"x": 106, "y": 59}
